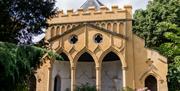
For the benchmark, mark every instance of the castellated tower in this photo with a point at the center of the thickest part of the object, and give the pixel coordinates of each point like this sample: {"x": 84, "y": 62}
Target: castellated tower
{"x": 93, "y": 13}
{"x": 99, "y": 49}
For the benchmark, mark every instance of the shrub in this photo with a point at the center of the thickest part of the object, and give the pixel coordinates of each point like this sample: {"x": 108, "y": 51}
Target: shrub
{"x": 86, "y": 87}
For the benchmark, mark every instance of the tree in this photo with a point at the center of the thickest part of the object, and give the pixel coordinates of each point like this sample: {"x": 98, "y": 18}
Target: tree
{"x": 6, "y": 24}
{"x": 17, "y": 64}
{"x": 20, "y": 19}
{"x": 159, "y": 25}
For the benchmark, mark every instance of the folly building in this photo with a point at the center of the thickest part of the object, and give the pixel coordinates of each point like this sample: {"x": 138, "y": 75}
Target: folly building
{"x": 99, "y": 48}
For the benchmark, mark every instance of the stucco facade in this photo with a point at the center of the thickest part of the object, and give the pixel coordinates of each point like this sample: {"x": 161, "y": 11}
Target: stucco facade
{"x": 98, "y": 33}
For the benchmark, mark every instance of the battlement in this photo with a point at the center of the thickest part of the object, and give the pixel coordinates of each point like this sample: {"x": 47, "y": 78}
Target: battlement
{"x": 104, "y": 13}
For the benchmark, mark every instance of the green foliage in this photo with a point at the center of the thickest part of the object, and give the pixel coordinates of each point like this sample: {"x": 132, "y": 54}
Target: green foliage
{"x": 54, "y": 55}
{"x": 29, "y": 16}
{"x": 86, "y": 87}
{"x": 159, "y": 25}
{"x": 17, "y": 63}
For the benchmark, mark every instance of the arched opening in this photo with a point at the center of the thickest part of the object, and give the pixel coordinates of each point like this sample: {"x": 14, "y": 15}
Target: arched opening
{"x": 64, "y": 57}
{"x": 97, "y": 24}
{"x": 57, "y": 83}
{"x": 73, "y": 26}
{"x": 121, "y": 28}
{"x": 103, "y": 25}
{"x": 68, "y": 27}
{"x": 53, "y": 32}
{"x": 111, "y": 73}
{"x": 111, "y": 56}
{"x": 62, "y": 29}
{"x": 58, "y": 30}
{"x": 86, "y": 57}
{"x": 115, "y": 27}
{"x": 86, "y": 70}
{"x": 151, "y": 83}
{"x": 62, "y": 82}
{"x": 32, "y": 83}
{"x": 109, "y": 26}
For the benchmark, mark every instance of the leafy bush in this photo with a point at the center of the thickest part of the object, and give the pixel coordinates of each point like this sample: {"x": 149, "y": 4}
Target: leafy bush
{"x": 86, "y": 87}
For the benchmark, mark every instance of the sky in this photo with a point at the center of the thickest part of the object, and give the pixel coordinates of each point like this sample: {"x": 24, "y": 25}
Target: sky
{"x": 75, "y": 4}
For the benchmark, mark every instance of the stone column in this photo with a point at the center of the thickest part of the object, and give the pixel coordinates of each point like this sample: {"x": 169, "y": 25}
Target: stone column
{"x": 124, "y": 76}
{"x": 73, "y": 78}
{"x": 98, "y": 78}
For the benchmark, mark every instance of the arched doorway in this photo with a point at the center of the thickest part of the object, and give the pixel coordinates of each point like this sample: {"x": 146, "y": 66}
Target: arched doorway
{"x": 62, "y": 68}
{"x": 151, "y": 83}
{"x": 32, "y": 83}
{"x": 64, "y": 56}
{"x": 57, "y": 83}
{"x": 86, "y": 70}
{"x": 111, "y": 73}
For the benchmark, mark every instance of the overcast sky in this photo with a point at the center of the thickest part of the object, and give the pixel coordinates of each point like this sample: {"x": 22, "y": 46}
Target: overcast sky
{"x": 75, "y": 4}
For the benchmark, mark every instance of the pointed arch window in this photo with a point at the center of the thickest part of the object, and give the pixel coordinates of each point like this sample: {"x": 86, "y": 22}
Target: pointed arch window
{"x": 111, "y": 56}
{"x": 112, "y": 72}
{"x": 64, "y": 56}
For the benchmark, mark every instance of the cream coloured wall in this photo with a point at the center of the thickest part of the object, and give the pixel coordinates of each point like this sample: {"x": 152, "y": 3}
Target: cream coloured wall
{"x": 43, "y": 74}
{"x": 115, "y": 26}
{"x": 149, "y": 62}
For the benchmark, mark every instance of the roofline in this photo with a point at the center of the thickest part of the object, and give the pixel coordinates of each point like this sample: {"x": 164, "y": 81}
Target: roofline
{"x": 101, "y": 4}
{"x": 84, "y": 3}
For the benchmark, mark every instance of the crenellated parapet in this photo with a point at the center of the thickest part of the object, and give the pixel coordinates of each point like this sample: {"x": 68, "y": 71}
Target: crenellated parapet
{"x": 103, "y": 14}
